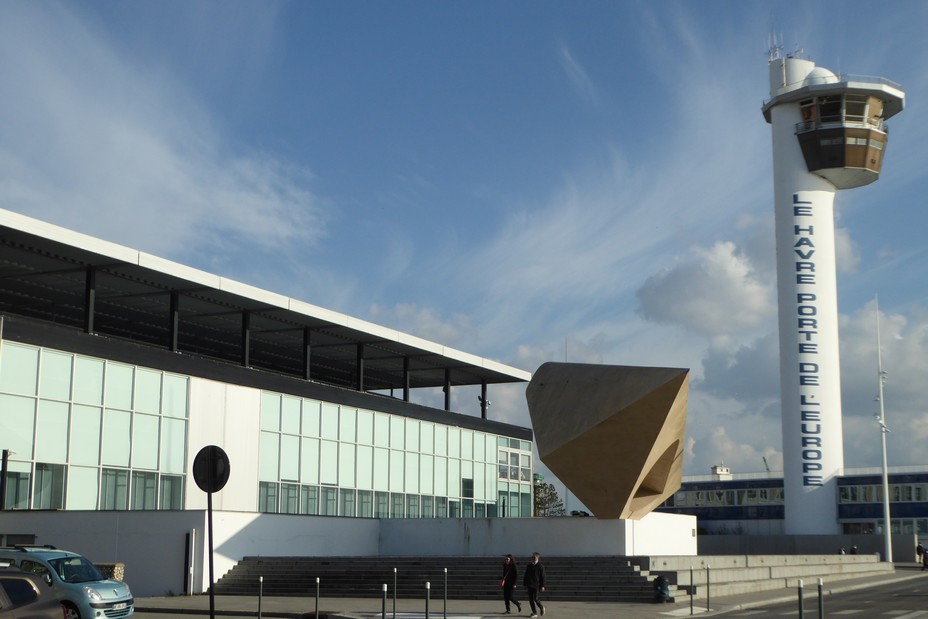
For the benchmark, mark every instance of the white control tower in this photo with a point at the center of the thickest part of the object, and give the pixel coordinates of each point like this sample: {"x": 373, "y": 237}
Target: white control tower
{"x": 828, "y": 134}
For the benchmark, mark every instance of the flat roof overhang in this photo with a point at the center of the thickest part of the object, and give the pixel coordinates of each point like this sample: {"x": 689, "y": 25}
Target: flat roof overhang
{"x": 54, "y": 274}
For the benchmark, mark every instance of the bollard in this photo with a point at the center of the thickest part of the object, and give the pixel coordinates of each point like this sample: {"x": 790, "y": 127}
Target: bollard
{"x": 707, "y": 587}
{"x": 383, "y": 606}
{"x": 821, "y": 601}
{"x": 800, "y": 598}
{"x": 692, "y": 589}
{"x": 317, "y": 598}
{"x": 394, "y": 593}
{"x": 444, "y": 613}
{"x": 260, "y": 593}
{"x": 427, "y": 587}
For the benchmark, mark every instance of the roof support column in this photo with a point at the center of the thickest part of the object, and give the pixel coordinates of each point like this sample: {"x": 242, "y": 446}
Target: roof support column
{"x": 483, "y": 400}
{"x": 406, "y": 379}
{"x": 307, "y": 351}
{"x": 246, "y": 339}
{"x": 447, "y": 389}
{"x": 359, "y": 374}
{"x": 90, "y": 298}
{"x": 174, "y": 321}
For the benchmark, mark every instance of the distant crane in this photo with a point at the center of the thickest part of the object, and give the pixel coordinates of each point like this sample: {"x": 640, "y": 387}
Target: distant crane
{"x": 766, "y": 466}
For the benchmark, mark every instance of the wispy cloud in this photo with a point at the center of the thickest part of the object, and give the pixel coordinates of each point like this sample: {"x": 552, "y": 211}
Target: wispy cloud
{"x": 579, "y": 78}
{"x": 93, "y": 143}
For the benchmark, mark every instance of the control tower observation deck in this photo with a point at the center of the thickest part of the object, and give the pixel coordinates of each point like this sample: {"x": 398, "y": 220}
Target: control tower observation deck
{"x": 829, "y": 133}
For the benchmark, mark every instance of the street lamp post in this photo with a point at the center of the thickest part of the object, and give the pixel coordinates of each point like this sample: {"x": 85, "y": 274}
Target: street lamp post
{"x": 881, "y": 420}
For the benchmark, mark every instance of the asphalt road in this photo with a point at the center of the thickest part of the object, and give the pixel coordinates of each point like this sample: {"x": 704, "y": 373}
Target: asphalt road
{"x": 902, "y": 600}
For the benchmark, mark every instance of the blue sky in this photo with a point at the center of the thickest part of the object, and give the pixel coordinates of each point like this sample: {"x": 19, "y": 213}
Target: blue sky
{"x": 525, "y": 181}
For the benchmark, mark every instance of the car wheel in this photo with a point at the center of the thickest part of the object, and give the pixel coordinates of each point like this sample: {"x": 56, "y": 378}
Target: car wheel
{"x": 71, "y": 612}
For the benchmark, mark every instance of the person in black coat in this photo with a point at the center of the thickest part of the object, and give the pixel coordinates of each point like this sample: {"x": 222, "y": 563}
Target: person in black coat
{"x": 534, "y": 582}
{"x": 508, "y": 583}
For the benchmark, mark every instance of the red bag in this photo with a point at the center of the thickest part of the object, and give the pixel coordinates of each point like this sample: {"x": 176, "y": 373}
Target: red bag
{"x": 502, "y": 583}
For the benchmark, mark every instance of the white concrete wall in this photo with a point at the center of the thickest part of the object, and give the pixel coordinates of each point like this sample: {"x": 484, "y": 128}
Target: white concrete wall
{"x": 654, "y": 534}
{"x": 228, "y": 416}
{"x": 152, "y": 544}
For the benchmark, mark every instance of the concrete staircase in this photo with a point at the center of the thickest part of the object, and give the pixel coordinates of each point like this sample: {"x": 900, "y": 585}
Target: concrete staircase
{"x": 737, "y": 574}
{"x": 593, "y": 579}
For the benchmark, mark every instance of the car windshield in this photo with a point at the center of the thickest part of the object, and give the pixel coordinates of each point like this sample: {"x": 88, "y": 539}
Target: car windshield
{"x": 75, "y": 569}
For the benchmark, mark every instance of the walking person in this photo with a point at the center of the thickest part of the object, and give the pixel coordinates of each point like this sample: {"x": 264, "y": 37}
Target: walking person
{"x": 508, "y": 583}
{"x": 534, "y": 582}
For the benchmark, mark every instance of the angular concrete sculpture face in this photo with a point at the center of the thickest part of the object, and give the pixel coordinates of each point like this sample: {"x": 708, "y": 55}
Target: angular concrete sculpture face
{"x": 613, "y": 434}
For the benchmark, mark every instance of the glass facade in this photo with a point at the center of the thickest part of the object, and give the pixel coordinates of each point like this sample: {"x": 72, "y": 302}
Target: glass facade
{"x": 318, "y": 458}
{"x": 90, "y": 434}
{"x": 93, "y": 434}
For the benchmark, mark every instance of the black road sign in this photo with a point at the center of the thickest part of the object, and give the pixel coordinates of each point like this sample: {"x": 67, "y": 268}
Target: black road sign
{"x": 211, "y": 469}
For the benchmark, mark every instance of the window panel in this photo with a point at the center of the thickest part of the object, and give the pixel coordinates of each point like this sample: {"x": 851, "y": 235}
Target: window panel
{"x": 492, "y": 480}
{"x": 346, "y": 465}
{"x": 365, "y": 427}
{"x": 289, "y": 460}
{"x": 145, "y": 442}
{"x": 381, "y": 505}
{"x": 381, "y": 469}
{"x": 328, "y": 463}
{"x": 144, "y": 490}
{"x": 480, "y": 481}
{"x": 48, "y": 491}
{"x": 347, "y": 418}
{"x": 116, "y": 439}
{"x": 397, "y": 433}
{"x": 426, "y": 474}
{"x": 289, "y": 499}
{"x": 173, "y": 445}
{"x": 365, "y": 504}
{"x": 82, "y": 487}
{"x": 269, "y": 457}
{"x": 309, "y": 500}
{"x": 330, "y": 422}
{"x": 55, "y": 375}
{"x": 114, "y": 489}
{"x": 346, "y": 502}
{"x": 381, "y": 430}
{"x": 310, "y": 426}
{"x": 290, "y": 416}
{"x": 17, "y": 424}
{"x": 175, "y": 396}
{"x": 467, "y": 445}
{"x": 172, "y": 492}
{"x": 270, "y": 412}
{"x": 147, "y": 391}
{"x": 365, "y": 472}
{"x": 412, "y": 505}
{"x": 397, "y": 505}
{"x": 441, "y": 476}
{"x": 412, "y": 435}
{"x": 85, "y": 435}
{"x": 88, "y": 381}
{"x": 454, "y": 477}
{"x": 19, "y": 369}
{"x": 441, "y": 440}
{"x": 51, "y": 432}
{"x": 267, "y": 497}
{"x": 309, "y": 460}
{"x": 427, "y": 438}
{"x": 427, "y": 509}
{"x": 329, "y": 504}
{"x": 454, "y": 442}
{"x": 397, "y": 468}
{"x": 119, "y": 385}
{"x": 412, "y": 473}
{"x": 480, "y": 448}
{"x": 441, "y": 507}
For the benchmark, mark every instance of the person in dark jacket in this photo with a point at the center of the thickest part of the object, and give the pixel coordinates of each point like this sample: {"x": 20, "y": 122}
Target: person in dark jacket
{"x": 534, "y": 582}
{"x": 510, "y": 574}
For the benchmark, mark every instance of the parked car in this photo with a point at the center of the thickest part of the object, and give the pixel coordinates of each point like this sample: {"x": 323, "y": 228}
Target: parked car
{"x": 74, "y": 581}
{"x": 26, "y": 596}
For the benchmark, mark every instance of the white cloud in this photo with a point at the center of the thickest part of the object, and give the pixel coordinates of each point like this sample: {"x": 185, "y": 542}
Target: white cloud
{"x": 718, "y": 294}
